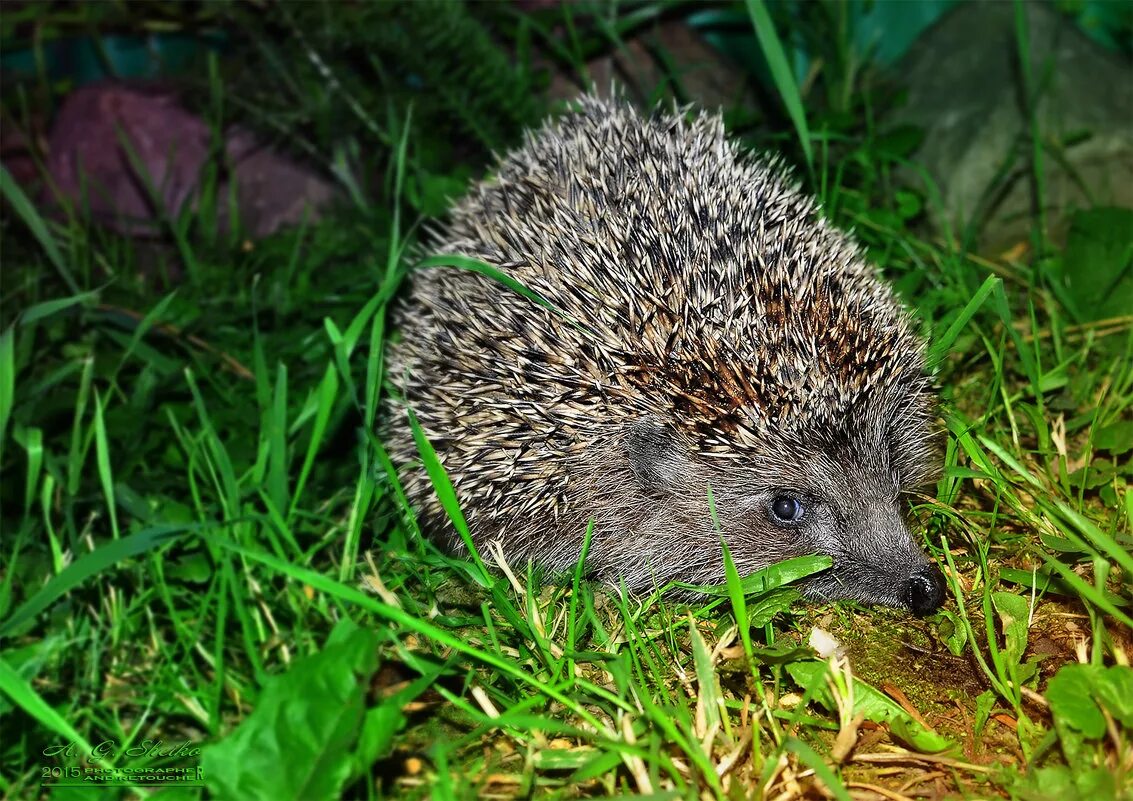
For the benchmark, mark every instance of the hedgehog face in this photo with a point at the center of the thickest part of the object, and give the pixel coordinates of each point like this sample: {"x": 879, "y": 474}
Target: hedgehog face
{"x": 859, "y": 522}
{"x": 790, "y": 500}
{"x": 845, "y": 503}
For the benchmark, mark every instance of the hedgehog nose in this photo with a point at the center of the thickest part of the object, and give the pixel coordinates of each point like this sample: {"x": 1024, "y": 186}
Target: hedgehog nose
{"x": 924, "y": 591}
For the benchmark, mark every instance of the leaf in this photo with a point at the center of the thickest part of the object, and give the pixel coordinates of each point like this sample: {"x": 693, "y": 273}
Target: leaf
{"x": 1099, "y": 473}
{"x": 952, "y": 631}
{"x": 1061, "y": 783}
{"x": 1040, "y": 580}
{"x": 1097, "y": 783}
{"x": 781, "y": 74}
{"x": 7, "y": 383}
{"x": 790, "y": 570}
{"x": 708, "y": 701}
{"x": 51, "y": 307}
{"x": 1071, "y": 696}
{"x": 1117, "y": 438}
{"x": 24, "y": 695}
{"x": 1014, "y": 614}
{"x": 908, "y": 730}
{"x": 899, "y": 142}
{"x": 763, "y": 609}
{"x": 502, "y": 278}
{"x": 446, "y": 494}
{"x": 1096, "y": 270}
{"x": 984, "y": 703}
{"x": 769, "y": 578}
{"x": 376, "y": 738}
{"x": 26, "y": 210}
{"x": 601, "y": 763}
{"x": 564, "y": 759}
{"x": 943, "y": 343}
{"x": 737, "y": 597}
{"x": 1055, "y": 782}
{"x": 433, "y": 194}
{"x": 298, "y": 741}
{"x": 1115, "y": 693}
{"x": 1061, "y": 545}
{"x": 871, "y": 703}
{"x": 908, "y": 204}
{"x": 809, "y": 757}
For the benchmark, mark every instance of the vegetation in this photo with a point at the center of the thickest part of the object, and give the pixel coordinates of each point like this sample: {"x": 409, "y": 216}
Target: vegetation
{"x": 206, "y": 561}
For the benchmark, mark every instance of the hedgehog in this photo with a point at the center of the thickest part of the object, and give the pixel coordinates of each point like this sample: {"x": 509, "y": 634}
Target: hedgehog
{"x": 713, "y": 363}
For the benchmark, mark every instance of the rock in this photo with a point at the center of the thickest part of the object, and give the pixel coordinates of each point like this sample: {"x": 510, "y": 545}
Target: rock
{"x": 966, "y": 91}
{"x": 705, "y": 75}
{"x": 273, "y": 191}
{"x": 92, "y": 167}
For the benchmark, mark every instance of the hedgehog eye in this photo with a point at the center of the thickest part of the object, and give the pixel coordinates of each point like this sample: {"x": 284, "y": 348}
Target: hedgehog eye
{"x": 786, "y": 509}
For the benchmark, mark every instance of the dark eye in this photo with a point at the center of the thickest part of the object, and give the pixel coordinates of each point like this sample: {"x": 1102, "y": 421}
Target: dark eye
{"x": 786, "y": 509}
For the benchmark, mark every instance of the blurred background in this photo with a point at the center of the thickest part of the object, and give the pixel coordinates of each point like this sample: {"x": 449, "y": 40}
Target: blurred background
{"x": 294, "y": 108}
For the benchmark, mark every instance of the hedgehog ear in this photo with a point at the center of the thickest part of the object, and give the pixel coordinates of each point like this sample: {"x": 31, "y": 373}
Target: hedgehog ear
{"x": 657, "y": 460}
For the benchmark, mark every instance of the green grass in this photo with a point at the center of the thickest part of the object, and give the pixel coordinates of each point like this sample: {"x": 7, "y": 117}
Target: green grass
{"x": 206, "y": 561}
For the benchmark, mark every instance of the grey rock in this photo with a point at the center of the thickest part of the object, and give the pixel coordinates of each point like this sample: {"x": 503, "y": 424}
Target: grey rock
{"x": 966, "y": 91}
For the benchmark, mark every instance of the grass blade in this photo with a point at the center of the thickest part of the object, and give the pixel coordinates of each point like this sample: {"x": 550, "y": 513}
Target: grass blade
{"x": 781, "y": 74}
{"x": 27, "y": 212}
{"x": 26, "y": 698}
{"x": 7, "y": 383}
{"x": 92, "y": 563}
{"x": 942, "y": 344}
{"x": 447, "y": 494}
{"x": 102, "y": 459}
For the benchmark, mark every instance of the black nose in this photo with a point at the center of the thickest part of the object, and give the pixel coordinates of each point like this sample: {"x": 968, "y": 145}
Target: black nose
{"x": 924, "y": 591}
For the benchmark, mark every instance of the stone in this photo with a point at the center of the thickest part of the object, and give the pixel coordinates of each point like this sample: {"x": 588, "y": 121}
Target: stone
{"x": 966, "y": 91}
{"x": 129, "y": 154}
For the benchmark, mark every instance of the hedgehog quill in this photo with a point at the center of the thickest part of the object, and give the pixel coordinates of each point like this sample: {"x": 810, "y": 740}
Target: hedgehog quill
{"x": 733, "y": 343}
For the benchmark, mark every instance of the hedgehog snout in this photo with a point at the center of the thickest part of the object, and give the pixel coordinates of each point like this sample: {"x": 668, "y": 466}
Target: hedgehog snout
{"x": 876, "y": 558}
{"x": 924, "y": 591}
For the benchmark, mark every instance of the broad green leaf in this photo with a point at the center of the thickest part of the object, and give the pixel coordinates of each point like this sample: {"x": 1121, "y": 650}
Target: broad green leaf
{"x": 984, "y": 703}
{"x": 1095, "y": 275}
{"x": 763, "y": 608}
{"x": 299, "y": 740}
{"x": 1115, "y": 692}
{"x": 769, "y": 578}
{"x": 1013, "y": 611}
{"x": 1071, "y": 695}
{"x": 872, "y": 703}
{"x": 1117, "y": 438}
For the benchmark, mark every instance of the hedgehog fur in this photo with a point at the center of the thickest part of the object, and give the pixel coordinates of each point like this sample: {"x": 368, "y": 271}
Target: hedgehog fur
{"x": 717, "y": 340}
